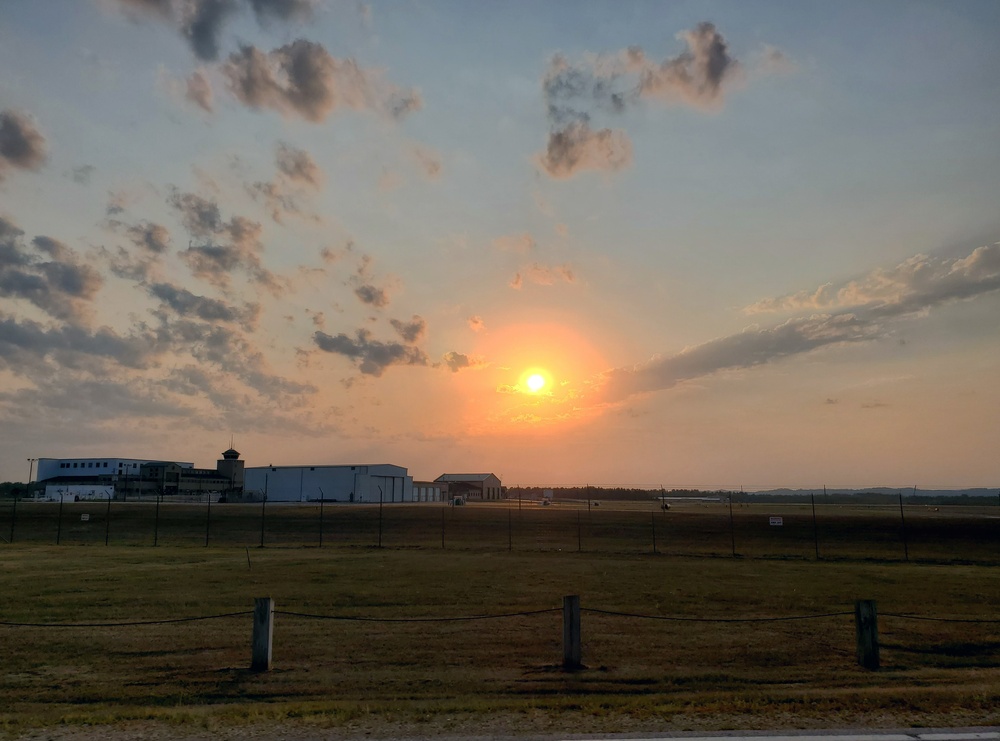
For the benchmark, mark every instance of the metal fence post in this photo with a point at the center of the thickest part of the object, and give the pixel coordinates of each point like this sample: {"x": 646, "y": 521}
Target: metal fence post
{"x": 263, "y": 629}
{"x": 572, "y": 653}
{"x": 866, "y": 631}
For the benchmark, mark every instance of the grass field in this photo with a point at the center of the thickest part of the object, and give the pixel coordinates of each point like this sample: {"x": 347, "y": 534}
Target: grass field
{"x": 399, "y": 678}
{"x": 946, "y": 534}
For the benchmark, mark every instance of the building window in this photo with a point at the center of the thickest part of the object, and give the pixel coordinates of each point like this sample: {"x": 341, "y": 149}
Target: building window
{"x": 74, "y": 464}
{"x": 274, "y": 470}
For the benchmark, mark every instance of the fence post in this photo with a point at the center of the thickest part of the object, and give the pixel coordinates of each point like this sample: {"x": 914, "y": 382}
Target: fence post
{"x": 572, "y": 653}
{"x": 263, "y": 628}
{"x": 866, "y": 631}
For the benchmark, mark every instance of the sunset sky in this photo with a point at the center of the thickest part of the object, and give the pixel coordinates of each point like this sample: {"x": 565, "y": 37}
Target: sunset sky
{"x": 679, "y": 244}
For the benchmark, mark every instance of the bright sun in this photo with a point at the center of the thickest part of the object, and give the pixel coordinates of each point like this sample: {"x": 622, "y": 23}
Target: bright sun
{"x": 535, "y": 382}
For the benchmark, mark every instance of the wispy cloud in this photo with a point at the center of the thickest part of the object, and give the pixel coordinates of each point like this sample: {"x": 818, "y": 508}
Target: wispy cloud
{"x": 858, "y": 311}
{"x": 542, "y": 275}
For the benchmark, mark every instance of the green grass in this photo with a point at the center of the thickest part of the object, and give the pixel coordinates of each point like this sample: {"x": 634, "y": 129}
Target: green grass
{"x": 393, "y": 678}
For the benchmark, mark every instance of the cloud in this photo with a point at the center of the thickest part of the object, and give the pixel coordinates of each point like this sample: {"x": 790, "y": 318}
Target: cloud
{"x": 411, "y": 331}
{"x": 81, "y": 175}
{"x": 24, "y": 344}
{"x": 61, "y": 287}
{"x": 699, "y": 77}
{"x": 429, "y": 161}
{"x": 21, "y": 144}
{"x": 366, "y": 291}
{"x": 184, "y": 303}
{"x": 201, "y": 22}
{"x": 542, "y": 275}
{"x": 456, "y": 361}
{"x": 150, "y": 237}
{"x": 371, "y": 356}
{"x": 298, "y": 166}
{"x": 752, "y": 347}
{"x": 865, "y": 308}
{"x": 238, "y": 249}
{"x": 577, "y": 147}
{"x": 914, "y": 285}
{"x": 198, "y": 90}
{"x": 372, "y": 295}
{"x": 302, "y": 79}
{"x": 279, "y": 202}
{"x": 285, "y": 10}
{"x": 476, "y": 323}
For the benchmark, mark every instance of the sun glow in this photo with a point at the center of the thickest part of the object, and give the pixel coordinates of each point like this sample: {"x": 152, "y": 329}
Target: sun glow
{"x": 535, "y": 382}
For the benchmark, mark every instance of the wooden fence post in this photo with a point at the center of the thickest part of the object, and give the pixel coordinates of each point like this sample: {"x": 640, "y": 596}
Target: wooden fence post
{"x": 866, "y": 631}
{"x": 263, "y": 628}
{"x": 572, "y": 653}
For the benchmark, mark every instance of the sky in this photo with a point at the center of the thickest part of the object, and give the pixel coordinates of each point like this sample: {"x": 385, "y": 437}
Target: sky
{"x": 742, "y": 244}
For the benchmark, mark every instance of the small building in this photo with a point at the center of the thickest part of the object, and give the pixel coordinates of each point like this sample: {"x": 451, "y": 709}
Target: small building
{"x": 329, "y": 483}
{"x": 430, "y": 491}
{"x": 481, "y": 486}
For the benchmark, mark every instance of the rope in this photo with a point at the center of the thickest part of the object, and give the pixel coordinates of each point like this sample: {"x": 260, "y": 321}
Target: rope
{"x": 125, "y": 624}
{"x": 416, "y": 620}
{"x": 714, "y": 620}
{"x": 936, "y": 620}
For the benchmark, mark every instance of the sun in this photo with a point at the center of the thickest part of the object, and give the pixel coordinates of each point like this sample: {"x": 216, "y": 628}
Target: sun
{"x": 535, "y": 382}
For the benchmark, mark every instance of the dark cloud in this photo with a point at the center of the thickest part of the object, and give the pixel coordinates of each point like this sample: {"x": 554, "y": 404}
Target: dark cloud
{"x": 61, "y": 287}
{"x": 21, "y": 144}
{"x": 298, "y": 166}
{"x": 285, "y": 10}
{"x": 25, "y": 343}
{"x": 455, "y": 361}
{"x": 577, "y": 147}
{"x": 371, "y": 356}
{"x": 198, "y": 90}
{"x": 185, "y": 303}
{"x": 698, "y": 76}
{"x": 411, "y": 331}
{"x": 201, "y": 22}
{"x": 201, "y": 217}
{"x": 372, "y": 295}
{"x": 232, "y": 245}
{"x": 303, "y": 79}
{"x": 149, "y": 236}
{"x": 609, "y": 84}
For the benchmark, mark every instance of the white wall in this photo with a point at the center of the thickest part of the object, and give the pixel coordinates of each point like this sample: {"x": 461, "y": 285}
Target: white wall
{"x": 359, "y": 484}
{"x": 70, "y": 492}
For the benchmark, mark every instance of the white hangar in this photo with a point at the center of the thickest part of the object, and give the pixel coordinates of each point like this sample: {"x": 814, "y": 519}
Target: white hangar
{"x": 361, "y": 484}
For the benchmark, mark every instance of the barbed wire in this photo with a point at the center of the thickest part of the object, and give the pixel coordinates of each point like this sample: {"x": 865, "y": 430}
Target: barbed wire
{"x": 937, "y": 619}
{"x": 416, "y": 620}
{"x": 125, "y": 624}
{"x": 713, "y": 620}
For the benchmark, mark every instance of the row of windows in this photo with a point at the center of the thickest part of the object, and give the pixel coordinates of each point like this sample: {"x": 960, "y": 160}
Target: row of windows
{"x": 94, "y": 464}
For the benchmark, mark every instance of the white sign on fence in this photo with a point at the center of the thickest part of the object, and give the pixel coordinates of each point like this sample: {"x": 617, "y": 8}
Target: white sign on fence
{"x": 776, "y": 521}
{"x": 84, "y": 518}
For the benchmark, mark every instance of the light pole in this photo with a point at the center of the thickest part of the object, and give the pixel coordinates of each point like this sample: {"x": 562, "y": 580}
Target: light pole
{"x": 31, "y": 471}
